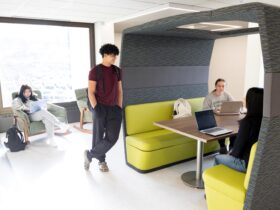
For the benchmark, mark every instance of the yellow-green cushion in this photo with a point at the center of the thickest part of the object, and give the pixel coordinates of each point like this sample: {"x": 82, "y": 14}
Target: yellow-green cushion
{"x": 218, "y": 201}
{"x": 250, "y": 165}
{"x": 140, "y": 118}
{"x": 155, "y": 140}
{"x": 147, "y": 160}
{"x": 196, "y": 104}
{"x": 226, "y": 181}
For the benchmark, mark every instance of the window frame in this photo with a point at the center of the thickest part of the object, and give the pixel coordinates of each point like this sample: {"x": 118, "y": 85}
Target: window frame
{"x": 90, "y": 26}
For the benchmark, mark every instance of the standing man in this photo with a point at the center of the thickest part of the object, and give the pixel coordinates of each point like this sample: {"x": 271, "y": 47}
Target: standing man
{"x": 106, "y": 98}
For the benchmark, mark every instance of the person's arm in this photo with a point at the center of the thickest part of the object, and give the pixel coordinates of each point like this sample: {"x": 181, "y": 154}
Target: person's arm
{"x": 19, "y": 106}
{"x": 120, "y": 94}
{"x": 207, "y": 104}
{"x": 91, "y": 93}
{"x": 230, "y": 98}
{"x": 241, "y": 139}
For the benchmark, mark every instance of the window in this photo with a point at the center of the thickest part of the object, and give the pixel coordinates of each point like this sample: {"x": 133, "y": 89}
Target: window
{"x": 49, "y": 58}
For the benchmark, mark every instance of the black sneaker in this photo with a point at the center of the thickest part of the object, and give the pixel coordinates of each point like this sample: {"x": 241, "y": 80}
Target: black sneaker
{"x": 223, "y": 151}
{"x": 87, "y": 161}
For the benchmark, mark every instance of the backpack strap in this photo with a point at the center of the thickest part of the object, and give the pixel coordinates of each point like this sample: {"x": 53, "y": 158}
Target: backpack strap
{"x": 99, "y": 75}
{"x": 117, "y": 70}
{"x": 20, "y": 133}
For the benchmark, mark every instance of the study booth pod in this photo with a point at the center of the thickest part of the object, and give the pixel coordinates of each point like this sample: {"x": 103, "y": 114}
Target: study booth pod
{"x": 168, "y": 59}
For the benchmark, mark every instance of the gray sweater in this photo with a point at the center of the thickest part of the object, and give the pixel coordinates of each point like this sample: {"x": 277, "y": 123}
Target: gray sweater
{"x": 20, "y": 106}
{"x": 212, "y": 101}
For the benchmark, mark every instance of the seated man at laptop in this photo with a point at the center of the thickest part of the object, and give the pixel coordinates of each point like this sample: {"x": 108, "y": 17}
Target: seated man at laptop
{"x": 214, "y": 101}
{"x": 248, "y": 133}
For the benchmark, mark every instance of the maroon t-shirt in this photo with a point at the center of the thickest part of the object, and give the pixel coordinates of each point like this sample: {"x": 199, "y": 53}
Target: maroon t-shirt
{"x": 110, "y": 77}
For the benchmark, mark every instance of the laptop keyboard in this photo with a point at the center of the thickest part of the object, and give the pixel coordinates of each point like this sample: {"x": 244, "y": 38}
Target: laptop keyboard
{"x": 211, "y": 130}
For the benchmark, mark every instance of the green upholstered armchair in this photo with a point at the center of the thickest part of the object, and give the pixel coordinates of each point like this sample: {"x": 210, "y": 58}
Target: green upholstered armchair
{"x": 85, "y": 114}
{"x": 30, "y": 128}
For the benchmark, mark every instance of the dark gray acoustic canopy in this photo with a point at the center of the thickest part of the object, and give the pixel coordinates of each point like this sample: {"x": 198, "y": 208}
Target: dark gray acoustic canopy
{"x": 163, "y": 62}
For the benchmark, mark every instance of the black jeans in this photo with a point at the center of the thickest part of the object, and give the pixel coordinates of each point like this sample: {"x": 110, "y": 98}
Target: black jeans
{"x": 106, "y": 128}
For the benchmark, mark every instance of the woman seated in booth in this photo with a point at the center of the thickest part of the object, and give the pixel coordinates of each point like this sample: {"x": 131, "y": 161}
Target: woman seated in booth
{"x": 248, "y": 133}
{"x": 214, "y": 101}
{"x": 25, "y": 102}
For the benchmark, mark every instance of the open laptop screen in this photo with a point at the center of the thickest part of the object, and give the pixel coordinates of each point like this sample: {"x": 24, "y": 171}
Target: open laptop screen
{"x": 205, "y": 119}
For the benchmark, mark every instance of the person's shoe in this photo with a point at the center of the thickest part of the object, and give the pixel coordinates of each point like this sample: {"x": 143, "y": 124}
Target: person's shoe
{"x": 103, "y": 166}
{"x": 86, "y": 160}
{"x": 64, "y": 128}
{"x": 223, "y": 151}
{"x": 51, "y": 142}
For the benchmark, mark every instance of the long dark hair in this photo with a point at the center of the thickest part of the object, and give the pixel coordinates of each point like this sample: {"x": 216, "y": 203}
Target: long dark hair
{"x": 254, "y": 102}
{"x": 217, "y": 81}
{"x": 22, "y": 97}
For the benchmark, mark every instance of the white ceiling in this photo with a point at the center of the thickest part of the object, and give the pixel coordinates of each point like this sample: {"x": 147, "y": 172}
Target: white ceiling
{"x": 124, "y": 12}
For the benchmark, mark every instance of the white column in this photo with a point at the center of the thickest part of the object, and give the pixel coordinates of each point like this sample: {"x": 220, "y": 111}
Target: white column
{"x": 254, "y": 65}
{"x": 238, "y": 60}
{"x": 228, "y": 61}
{"x": 104, "y": 33}
{"x": 118, "y": 43}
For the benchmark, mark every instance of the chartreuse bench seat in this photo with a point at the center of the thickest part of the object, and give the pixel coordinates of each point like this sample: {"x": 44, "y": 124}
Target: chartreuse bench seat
{"x": 226, "y": 188}
{"x": 149, "y": 147}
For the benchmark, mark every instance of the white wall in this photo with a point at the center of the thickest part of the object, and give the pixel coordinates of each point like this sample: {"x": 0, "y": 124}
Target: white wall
{"x": 228, "y": 61}
{"x": 253, "y": 74}
{"x": 104, "y": 33}
{"x": 238, "y": 61}
{"x": 118, "y": 43}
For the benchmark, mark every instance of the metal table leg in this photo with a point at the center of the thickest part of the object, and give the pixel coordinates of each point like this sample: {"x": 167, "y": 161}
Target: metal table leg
{"x": 194, "y": 178}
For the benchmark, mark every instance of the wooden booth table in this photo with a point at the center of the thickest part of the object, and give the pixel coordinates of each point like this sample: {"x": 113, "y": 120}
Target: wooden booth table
{"x": 187, "y": 127}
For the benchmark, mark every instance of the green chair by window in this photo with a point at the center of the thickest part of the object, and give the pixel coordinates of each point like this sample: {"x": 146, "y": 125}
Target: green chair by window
{"x": 30, "y": 128}
{"x": 85, "y": 114}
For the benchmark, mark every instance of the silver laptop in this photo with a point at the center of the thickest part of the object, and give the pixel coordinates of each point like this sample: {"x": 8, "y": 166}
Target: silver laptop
{"x": 230, "y": 108}
{"x": 206, "y": 123}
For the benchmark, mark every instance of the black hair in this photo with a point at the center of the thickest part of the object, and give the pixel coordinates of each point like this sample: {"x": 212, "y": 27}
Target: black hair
{"x": 217, "y": 81}
{"x": 23, "y": 88}
{"x": 109, "y": 49}
{"x": 254, "y": 102}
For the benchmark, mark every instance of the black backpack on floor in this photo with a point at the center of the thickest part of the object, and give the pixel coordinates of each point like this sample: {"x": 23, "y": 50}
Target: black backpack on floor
{"x": 15, "y": 139}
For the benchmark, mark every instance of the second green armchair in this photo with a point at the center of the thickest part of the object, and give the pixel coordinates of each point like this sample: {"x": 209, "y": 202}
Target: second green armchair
{"x": 85, "y": 114}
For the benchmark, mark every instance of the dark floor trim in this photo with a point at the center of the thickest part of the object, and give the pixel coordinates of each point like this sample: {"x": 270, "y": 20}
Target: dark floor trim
{"x": 167, "y": 165}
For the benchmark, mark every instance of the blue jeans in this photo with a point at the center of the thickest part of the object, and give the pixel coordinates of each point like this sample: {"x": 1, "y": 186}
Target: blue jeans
{"x": 230, "y": 161}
